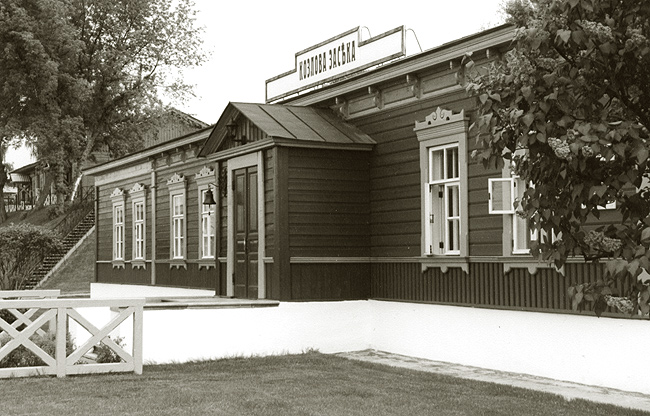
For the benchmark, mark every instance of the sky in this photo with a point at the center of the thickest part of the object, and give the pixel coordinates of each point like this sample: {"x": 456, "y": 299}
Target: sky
{"x": 252, "y": 41}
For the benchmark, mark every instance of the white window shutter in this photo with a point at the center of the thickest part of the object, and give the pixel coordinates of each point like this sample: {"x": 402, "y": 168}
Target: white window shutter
{"x": 501, "y": 196}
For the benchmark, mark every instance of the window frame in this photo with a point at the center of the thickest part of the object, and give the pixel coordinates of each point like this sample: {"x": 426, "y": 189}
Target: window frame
{"x": 511, "y": 244}
{"x": 138, "y": 231}
{"x": 178, "y": 239}
{"x": 138, "y": 197}
{"x": 118, "y": 228}
{"x": 206, "y": 179}
{"x": 441, "y": 234}
{"x": 177, "y": 187}
{"x": 443, "y": 129}
{"x": 207, "y": 214}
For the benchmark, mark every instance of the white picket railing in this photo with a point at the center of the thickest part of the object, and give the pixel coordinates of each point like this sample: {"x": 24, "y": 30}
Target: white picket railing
{"x": 60, "y": 311}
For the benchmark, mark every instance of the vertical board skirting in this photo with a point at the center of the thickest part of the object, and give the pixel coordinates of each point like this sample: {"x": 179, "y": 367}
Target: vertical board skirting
{"x": 330, "y": 281}
{"x": 485, "y": 285}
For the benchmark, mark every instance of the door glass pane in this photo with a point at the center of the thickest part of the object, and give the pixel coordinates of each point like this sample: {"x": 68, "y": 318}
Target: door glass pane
{"x": 239, "y": 203}
{"x": 252, "y": 195}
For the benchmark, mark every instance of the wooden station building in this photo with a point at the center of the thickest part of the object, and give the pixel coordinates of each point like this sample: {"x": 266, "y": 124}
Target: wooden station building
{"x": 353, "y": 181}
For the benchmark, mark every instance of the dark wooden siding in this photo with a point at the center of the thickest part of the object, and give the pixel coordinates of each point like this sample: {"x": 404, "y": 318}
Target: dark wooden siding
{"x": 105, "y": 218}
{"x": 223, "y": 213}
{"x": 192, "y": 277}
{"x": 333, "y": 281}
{"x": 271, "y": 290}
{"x": 279, "y": 281}
{"x": 486, "y": 285}
{"x": 269, "y": 194}
{"x": 192, "y": 218}
{"x": 485, "y": 230}
{"x": 162, "y": 216}
{"x": 328, "y": 203}
{"x": 246, "y": 128}
{"x": 395, "y": 176}
{"x": 128, "y": 275}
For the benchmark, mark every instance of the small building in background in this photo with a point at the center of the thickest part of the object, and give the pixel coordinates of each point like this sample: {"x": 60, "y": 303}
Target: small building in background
{"x": 30, "y": 180}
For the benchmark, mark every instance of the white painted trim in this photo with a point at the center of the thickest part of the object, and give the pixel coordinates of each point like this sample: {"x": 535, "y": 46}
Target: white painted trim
{"x": 261, "y": 232}
{"x": 119, "y": 202}
{"x": 320, "y": 260}
{"x": 137, "y": 198}
{"x": 153, "y": 188}
{"x": 177, "y": 185}
{"x": 435, "y": 133}
{"x": 207, "y": 179}
{"x": 251, "y": 159}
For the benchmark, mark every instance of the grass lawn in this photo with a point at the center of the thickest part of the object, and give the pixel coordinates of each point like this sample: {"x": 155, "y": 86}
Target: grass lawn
{"x": 307, "y": 384}
{"x": 77, "y": 273}
{"x": 36, "y": 217}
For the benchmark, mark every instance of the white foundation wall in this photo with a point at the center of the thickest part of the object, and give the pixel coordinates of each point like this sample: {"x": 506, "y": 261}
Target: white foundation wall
{"x": 177, "y": 335}
{"x": 604, "y": 352}
{"x": 117, "y": 291}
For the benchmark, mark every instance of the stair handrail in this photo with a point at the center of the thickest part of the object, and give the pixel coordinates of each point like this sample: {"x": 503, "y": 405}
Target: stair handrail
{"x": 72, "y": 219}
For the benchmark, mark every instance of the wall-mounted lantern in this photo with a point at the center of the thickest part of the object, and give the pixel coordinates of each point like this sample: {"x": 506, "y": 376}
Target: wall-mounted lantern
{"x": 231, "y": 131}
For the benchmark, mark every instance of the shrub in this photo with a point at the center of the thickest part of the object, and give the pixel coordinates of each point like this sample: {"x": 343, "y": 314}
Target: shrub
{"x": 7, "y": 316}
{"x": 106, "y": 355}
{"x": 23, "y": 246}
{"x": 22, "y": 357}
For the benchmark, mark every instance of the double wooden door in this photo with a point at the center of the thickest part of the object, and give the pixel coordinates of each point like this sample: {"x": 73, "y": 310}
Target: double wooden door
{"x": 246, "y": 234}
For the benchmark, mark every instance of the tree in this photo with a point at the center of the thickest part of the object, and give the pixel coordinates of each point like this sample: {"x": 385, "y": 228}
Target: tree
{"x": 36, "y": 48}
{"x": 82, "y": 75}
{"x": 570, "y": 105}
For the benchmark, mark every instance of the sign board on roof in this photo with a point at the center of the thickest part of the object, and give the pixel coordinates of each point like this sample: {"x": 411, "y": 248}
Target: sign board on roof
{"x": 334, "y": 58}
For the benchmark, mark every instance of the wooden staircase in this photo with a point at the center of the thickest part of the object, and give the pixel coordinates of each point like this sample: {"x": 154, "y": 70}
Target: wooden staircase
{"x": 70, "y": 242}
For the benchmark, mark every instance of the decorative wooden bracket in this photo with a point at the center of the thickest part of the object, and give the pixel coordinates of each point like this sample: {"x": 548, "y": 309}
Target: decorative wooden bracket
{"x": 378, "y": 98}
{"x": 414, "y": 85}
{"x": 341, "y": 106}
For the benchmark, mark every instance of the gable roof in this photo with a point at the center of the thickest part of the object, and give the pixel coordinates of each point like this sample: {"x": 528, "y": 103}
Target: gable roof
{"x": 294, "y": 123}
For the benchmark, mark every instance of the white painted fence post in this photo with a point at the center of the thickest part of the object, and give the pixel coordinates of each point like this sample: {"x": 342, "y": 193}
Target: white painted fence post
{"x": 61, "y": 337}
{"x": 137, "y": 338}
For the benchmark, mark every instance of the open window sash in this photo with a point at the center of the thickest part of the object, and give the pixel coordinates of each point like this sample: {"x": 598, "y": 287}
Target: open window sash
{"x": 501, "y": 195}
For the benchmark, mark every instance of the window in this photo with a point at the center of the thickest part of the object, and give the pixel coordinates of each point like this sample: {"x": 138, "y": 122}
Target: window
{"x": 522, "y": 235}
{"x": 138, "y": 230}
{"x": 117, "y": 198}
{"x": 178, "y": 226}
{"x": 177, "y": 221}
{"x": 208, "y": 220}
{"x": 503, "y": 196}
{"x": 443, "y": 172}
{"x": 443, "y": 188}
{"x": 118, "y": 232}
{"x": 139, "y": 217}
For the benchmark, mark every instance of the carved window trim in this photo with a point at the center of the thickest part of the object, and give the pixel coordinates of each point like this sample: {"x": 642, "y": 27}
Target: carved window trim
{"x": 443, "y": 129}
{"x": 177, "y": 187}
{"x": 118, "y": 198}
{"x": 139, "y": 226}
